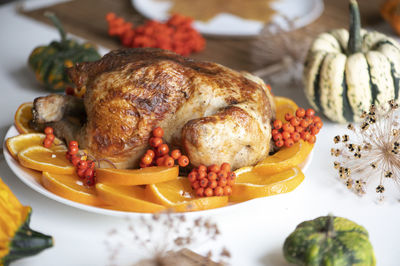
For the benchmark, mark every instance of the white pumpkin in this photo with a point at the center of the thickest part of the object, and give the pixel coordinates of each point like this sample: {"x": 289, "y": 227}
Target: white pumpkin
{"x": 347, "y": 71}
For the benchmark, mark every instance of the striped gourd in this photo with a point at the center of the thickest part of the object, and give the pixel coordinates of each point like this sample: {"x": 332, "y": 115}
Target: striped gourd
{"x": 347, "y": 71}
{"x": 329, "y": 240}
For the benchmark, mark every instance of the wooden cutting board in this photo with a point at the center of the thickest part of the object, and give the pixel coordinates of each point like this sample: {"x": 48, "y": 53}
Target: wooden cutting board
{"x": 86, "y": 18}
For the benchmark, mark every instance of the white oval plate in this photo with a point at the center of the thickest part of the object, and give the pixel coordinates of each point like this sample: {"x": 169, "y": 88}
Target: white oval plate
{"x": 302, "y": 12}
{"x": 26, "y": 176}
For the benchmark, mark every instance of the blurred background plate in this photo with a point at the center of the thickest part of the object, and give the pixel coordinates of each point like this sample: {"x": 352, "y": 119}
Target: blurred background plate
{"x": 302, "y": 11}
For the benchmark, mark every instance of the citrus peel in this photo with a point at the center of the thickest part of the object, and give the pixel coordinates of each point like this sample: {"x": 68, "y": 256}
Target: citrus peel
{"x": 179, "y": 196}
{"x": 250, "y": 184}
{"x": 143, "y": 176}
{"x": 284, "y": 105}
{"x": 22, "y": 117}
{"x": 284, "y": 159}
{"x": 127, "y": 198}
{"x": 20, "y": 142}
{"x": 70, "y": 187}
{"x": 42, "y": 159}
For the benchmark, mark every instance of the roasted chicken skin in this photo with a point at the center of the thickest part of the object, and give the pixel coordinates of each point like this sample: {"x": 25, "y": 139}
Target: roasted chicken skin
{"x": 214, "y": 113}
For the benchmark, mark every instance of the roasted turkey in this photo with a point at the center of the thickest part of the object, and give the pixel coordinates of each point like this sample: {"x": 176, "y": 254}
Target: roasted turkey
{"x": 213, "y": 113}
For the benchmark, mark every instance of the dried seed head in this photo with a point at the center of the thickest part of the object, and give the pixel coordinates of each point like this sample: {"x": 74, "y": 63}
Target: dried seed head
{"x": 372, "y": 120}
{"x": 367, "y": 146}
{"x": 349, "y": 183}
{"x": 388, "y": 174}
{"x": 364, "y": 114}
{"x": 364, "y": 126}
{"x": 335, "y": 152}
{"x": 373, "y": 156}
{"x": 341, "y": 170}
{"x": 372, "y": 109}
{"x": 347, "y": 171}
{"x": 393, "y": 105}
{"x": 351, "y": 147}
{"x": 380, "y": 189}
{"x": 336, "y": 165}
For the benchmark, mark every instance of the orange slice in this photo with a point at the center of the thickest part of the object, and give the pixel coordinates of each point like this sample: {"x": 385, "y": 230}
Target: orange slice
{"x": 45, "y": 160}
{"x": 179, "y": 196}
{"x": 18, "y": 143}
{"x": 250, "y": 184}
{"x": 285, "y": 158}
{"x": 70, "y": 187}
{"x": 22, "y": 117}
{"x": 284, "y": 105}
{"x": 130, "y": 177}
{"x": 127, "y": 198}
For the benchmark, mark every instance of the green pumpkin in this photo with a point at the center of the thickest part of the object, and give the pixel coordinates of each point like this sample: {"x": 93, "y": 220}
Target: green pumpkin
{"x": 347, "y": 71}
{"x": 329, "y": 240}
{"x": 49, "y": 62}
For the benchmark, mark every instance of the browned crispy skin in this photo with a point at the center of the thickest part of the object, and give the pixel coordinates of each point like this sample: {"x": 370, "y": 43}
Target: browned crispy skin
{"x": 214, "y": 113}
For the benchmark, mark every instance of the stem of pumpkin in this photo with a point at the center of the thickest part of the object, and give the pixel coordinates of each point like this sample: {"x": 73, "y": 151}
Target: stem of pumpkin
{"x": 354, "y": 44}
{"x": 330, "y": 230}
{"x": 57, "y": 23}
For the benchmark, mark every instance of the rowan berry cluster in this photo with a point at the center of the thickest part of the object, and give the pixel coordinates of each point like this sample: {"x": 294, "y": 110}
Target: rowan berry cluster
{"x": 303, "y": 125}
{"x": 213, "y": 180}
{"x": 49, "y": 139}
{"x": 160, "y": 154}
{"x": 176, "y": 34}
{"x": 85, "y": 169}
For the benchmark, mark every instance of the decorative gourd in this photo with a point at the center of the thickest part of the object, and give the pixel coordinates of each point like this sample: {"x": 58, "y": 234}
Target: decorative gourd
{"x": 17, "y": 240}
{"x": 49, "y": 62}
{"x": 329, "y": 240}
{"x": 347, "y": 71}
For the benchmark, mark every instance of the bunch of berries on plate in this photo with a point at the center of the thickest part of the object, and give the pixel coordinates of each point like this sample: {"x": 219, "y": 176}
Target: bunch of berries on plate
{"x": 303, "y": 125}
{"x": 85, "y": 169}
{"x": 49, "y": 139}
{"x": 213, "y": 180}
{"x": 160, "y": 154}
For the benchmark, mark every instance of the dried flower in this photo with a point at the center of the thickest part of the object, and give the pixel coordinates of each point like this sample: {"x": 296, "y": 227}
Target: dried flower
{"x": 370, "y": 154}
{"x": 275, "y": 56}
{"x": 279, "y": 52}
{"x": 165, "y": 237}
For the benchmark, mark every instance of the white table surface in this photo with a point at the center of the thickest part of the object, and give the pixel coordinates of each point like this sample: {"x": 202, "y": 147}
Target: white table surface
{"x": 253, "y": 232}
